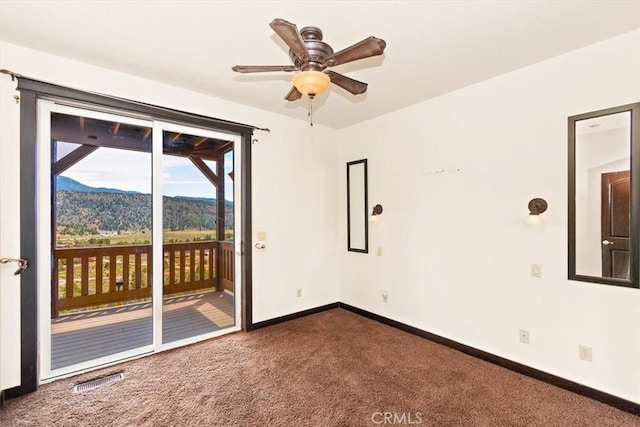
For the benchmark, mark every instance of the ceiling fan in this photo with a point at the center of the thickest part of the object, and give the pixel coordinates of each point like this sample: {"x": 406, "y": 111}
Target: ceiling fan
{"x": 311, "y": 57}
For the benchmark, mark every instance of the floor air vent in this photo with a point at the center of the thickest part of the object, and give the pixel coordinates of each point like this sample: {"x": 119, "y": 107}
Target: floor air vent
{"x": 90, "y": 385}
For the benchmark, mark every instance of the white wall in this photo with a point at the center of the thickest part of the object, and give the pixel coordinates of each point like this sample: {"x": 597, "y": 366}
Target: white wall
{"x": 9, "y": 240}
{"x": 294, "y": 176}
{"x": 454, "y": 175}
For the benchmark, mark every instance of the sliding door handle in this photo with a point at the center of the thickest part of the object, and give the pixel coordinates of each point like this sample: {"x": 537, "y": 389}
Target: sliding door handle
{"x": 23, "y": 264}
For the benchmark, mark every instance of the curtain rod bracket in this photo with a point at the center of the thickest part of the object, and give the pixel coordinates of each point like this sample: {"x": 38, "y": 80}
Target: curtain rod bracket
{"x": 10, "y": 73}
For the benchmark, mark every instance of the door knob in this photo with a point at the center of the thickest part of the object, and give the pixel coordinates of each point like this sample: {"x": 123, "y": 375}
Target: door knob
{"x": 260, "y": 245}
{"x": 607, "y": 242}
{"x": 22, "y": 264}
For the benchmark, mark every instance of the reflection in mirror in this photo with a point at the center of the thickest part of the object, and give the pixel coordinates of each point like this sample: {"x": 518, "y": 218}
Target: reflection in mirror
{"x": 357, "y": 226}
{"x": 602, "y": 195}
{"x": 603, "y": 233}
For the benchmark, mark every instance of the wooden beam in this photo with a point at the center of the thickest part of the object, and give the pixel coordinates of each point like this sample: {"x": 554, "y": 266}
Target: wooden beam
{"x": 223, "y": 147}
{"x": 64, "y": 128}
{"x": 65, "y": 134}
{"x": 72, "y": 158}
{"x": 208, "y": 173}
{"x": 200, "y": 141}
{"x": 220, "y": 208}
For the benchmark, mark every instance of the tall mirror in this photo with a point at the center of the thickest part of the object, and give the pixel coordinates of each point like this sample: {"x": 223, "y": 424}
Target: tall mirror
{"x": 604, "y": 196}
{"x": 357, "y": 225}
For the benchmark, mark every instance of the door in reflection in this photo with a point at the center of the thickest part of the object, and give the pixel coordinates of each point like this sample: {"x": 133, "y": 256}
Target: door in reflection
{"x": 616, "y": 224}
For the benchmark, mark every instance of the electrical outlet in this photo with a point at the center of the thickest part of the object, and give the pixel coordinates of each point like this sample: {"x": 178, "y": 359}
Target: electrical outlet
{"x": 299, "y": 292}
{"x": 385, "y": 296}
{"x": 379, "y": 250}
{"x": 524, "y": 336}
{"x": 586, "y": 353}
{"x": 536, "y": 270}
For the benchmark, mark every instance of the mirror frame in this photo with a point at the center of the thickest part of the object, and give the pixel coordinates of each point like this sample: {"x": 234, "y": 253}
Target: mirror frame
{"x": 350, "y": 248}
{"x": 634, "y": 237}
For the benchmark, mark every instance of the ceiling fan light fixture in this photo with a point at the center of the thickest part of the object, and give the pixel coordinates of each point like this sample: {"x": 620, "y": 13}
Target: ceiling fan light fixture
{"x": 311, "y": 83}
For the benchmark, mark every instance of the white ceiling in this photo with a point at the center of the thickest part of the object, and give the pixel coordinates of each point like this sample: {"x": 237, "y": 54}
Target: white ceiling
{"x": 433, "y": 47}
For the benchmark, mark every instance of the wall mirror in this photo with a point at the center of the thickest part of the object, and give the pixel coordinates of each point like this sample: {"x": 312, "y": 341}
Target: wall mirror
{"x": 357, "y": 224}
{"x": 604, "y": 196}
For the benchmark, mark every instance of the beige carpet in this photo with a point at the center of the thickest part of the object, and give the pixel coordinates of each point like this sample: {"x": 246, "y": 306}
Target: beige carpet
{"x": 334, "y": 368}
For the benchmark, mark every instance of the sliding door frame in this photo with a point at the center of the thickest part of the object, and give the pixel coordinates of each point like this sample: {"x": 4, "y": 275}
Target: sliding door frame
{"x": 159, "y": 127}
{"x": 30, "y": 92}
{"x": 46, "y": 240}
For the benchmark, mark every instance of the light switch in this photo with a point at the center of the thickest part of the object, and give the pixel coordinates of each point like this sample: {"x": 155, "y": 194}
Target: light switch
{"x": 262, "y": 236}
{"x": 379, "y": 251}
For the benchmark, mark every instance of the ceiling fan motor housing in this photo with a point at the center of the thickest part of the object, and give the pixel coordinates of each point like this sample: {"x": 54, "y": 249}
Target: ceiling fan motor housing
{"x": 318, "y": 50}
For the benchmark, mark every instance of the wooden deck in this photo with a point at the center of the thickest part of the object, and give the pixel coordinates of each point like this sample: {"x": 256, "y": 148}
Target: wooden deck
{"x": 80, "y": 337}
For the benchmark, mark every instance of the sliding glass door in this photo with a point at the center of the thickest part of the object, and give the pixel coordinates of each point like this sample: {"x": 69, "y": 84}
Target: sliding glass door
{"x": 198, "y": 233}
{"x": 141, "y": 223}
{"x": 96, "y": 179}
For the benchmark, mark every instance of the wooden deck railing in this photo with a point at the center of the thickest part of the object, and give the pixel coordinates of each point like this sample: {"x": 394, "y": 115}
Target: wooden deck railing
{"x": 86, "y": 277}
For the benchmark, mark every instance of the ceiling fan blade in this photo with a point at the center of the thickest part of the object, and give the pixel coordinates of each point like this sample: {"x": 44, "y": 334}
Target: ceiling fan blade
{"x": 293, "y": 95}
{"x": 262, "y": 68}
{"x": 370, "y": 46}
{"x": 288, "y": 32}
{"x": 347, "y": 83}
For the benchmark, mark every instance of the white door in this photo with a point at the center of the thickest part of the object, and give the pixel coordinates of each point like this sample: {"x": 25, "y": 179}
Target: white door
{"x": 9, "y": 239}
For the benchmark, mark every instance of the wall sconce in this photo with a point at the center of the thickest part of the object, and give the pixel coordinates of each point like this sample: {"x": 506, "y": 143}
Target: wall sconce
{"x": 377, "y": 210}
{"x": 536, "y": 207}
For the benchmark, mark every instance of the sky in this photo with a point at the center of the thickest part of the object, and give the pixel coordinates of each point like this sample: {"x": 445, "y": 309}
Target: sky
{"x": 131, "y": 171}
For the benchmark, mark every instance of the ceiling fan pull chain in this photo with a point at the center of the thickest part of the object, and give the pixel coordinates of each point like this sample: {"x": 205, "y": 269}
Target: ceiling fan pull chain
{"x": 310, "y": 111}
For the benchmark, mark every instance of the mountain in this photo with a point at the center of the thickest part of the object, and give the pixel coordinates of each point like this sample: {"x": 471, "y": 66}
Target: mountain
{"x": 81, "y": 209}
{"x": 201, "y": 199}
{"x": 64, "y": 183}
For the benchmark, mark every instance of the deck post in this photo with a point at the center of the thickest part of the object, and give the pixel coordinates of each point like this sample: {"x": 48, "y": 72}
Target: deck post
{"x": 220, "y": 208}
{"x": 218, "y": 261}
{"x": 220, "y": 216}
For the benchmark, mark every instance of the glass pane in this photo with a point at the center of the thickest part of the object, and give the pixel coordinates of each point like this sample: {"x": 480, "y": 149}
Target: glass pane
{"x": 198, "y": 263}
{"x": 62, "y": 149}
{"x": 101, "y": 286}
{"x": 602, "y": 195}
